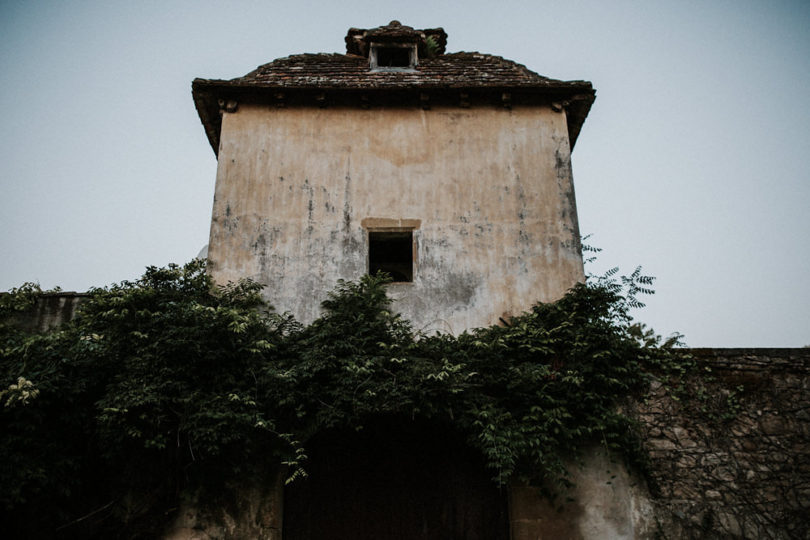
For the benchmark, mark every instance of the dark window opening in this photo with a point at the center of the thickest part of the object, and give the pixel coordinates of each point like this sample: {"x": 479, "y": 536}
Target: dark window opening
{"x": 391, "y": 252}
{"x": 393, "y": 57}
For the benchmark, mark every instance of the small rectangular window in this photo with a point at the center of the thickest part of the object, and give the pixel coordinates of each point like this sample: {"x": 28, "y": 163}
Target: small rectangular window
{"x": 391, "y": 252}
{"x": 393, "y": 57}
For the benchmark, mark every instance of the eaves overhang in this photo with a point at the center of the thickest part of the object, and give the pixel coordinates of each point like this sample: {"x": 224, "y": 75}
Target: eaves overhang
{"x": 214, "y": 97}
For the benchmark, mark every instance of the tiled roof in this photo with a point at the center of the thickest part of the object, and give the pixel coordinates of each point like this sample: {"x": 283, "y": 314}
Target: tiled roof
{"x": 393, "y": 31}
{"x": 437, "y": 75}
{"x": 337, "y": 71}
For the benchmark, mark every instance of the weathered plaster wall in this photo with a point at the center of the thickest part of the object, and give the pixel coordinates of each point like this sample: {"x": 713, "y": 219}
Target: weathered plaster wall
{"x": 605, "y": 501}
{"x": 253, "y": 510}
{"x": 491, "y": 189}
{"x": 735, "y": 463}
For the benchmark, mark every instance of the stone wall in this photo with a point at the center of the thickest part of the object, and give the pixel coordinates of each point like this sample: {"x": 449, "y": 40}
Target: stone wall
{"x": 735, "y": 462}
{"x": 50, "y": 310}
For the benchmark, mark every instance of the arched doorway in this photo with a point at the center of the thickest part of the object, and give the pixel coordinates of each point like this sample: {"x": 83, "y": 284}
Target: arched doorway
{"x": 394, "y": 480}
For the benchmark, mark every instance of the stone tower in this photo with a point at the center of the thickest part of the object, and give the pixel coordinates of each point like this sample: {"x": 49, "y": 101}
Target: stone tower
{"x": 450, "y": 171}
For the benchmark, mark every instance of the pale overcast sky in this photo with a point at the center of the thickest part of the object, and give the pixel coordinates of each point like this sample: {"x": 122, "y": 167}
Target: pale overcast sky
{"x": 692, "y": 163}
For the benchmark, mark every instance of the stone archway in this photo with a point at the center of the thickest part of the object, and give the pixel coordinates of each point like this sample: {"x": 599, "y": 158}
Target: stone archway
{"x": 395, "y": 480}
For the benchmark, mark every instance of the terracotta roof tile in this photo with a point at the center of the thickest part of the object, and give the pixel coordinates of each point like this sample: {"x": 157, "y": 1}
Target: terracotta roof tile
{"x": 344, "y": 71}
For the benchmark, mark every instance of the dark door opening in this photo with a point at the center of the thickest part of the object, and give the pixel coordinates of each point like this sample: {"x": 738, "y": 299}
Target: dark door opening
{"x": 394, "y": 481}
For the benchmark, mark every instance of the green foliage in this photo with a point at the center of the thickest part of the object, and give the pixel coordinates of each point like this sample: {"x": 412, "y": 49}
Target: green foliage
{"x": 170, "y": 382}
{"x": 432, "y": 46}
{"x": 20, "y": 298}
{"x": 153, "y": 383}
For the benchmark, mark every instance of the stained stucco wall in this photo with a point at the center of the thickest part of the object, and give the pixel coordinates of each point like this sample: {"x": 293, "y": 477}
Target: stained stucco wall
{"x": 488, "y": 192}
{"x": 605, "y": 500}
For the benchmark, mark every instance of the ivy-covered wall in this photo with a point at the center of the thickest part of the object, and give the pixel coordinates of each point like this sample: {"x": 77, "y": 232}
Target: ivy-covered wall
{"x": 728, "y": 446}
{"x": 50, "y": 310}
{"x": 734, "y": 463}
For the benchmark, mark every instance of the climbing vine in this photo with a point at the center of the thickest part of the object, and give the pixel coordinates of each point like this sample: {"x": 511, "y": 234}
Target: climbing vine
{"x": 170, "y": 381}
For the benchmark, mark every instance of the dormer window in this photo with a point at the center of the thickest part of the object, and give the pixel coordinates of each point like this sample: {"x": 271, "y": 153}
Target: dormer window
{"x": 392, "y": 56}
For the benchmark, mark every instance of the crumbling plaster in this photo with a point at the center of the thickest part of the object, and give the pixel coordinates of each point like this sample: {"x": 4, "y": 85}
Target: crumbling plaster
{"x": 605, "y": 500}
{"x": 489, "y": 188}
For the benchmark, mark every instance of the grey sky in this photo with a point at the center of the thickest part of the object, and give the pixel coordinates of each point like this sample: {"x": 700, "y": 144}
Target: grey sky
{"x": 692, "y": 163}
